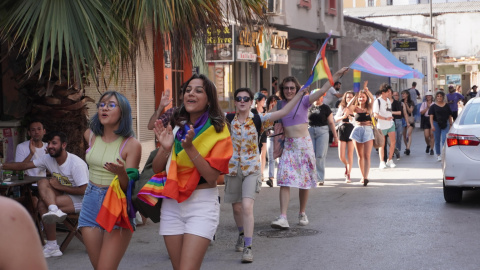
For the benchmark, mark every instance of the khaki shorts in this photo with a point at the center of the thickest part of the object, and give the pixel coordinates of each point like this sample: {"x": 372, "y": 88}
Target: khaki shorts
{"x": 239, "y": 186}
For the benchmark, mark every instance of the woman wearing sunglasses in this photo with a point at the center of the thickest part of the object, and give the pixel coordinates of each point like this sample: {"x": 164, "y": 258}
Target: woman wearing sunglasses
{"x": 296, "y": 167}
{"x": 243, "y": 180}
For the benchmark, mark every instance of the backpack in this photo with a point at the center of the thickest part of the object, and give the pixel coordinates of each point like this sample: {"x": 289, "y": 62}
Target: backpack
{"x": 256, "y": 120}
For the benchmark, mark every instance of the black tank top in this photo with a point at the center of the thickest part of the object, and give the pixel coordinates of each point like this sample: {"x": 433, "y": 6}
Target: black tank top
{"x": 362, "y": 117}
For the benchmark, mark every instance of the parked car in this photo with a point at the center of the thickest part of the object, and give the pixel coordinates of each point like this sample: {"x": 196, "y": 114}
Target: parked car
{"x": 461, "y": 153}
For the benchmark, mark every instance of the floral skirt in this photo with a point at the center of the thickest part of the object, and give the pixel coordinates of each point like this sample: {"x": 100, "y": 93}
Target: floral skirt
{"x": 296, "y": 167}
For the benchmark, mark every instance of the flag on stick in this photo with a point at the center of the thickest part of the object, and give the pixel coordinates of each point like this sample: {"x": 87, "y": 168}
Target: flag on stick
{"x": 320, "y": 69}
{"x": 356, "y": 80}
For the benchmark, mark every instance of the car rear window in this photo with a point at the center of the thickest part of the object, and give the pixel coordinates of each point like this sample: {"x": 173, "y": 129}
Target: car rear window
{"x": 471, "y": 115}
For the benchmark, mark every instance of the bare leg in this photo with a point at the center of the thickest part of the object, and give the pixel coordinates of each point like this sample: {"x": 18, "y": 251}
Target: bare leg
{"x": 341, "y": 152}
{"x": 248, "y": 218}
{"x": 93, "y": 238}
{"x": 194, "y": 248}
{"x": 432, "y": 139}
{"x": 350, "y": 148}
{"x": 360, "y": 156}
{"x": 391, "y": 136}
{"x": 284, "y": 199}
{"x": 367, "y": 150}
{"x": 409, "y": 142}
{"x": 426, "y": 134}
{"x": 174, "y": 245}
{"x": 237, "y": 214}
{"x": 303, "y": 196}
{"x": 114, "y": 245}
{"x": 263, "y": 157}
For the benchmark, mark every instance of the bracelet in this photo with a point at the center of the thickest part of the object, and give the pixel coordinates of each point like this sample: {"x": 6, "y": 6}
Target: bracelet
{"x": 196, "y": 157}
{"x": 168, "y": 153}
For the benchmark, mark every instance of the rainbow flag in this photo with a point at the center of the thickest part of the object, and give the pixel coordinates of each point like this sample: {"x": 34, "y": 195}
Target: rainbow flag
{"x": 320, "y": 69}
{"x": 377, "y": 60}
{"x": 356, "y": 80}
{"x": 182, "y": 177}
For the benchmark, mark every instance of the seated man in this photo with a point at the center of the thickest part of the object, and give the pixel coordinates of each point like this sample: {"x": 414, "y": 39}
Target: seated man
{"x": 63, "y": 192}
{"x": 33, "y": 148}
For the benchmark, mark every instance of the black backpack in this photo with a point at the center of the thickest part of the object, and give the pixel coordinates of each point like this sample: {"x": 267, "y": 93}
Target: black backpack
{"x": 256, "y": 120}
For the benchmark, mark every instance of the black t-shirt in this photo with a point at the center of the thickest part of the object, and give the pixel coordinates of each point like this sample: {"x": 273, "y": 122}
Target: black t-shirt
{"x": 440, "y": 114}
{"x": 397, "y": 106}
{"x": 318, "y": 115}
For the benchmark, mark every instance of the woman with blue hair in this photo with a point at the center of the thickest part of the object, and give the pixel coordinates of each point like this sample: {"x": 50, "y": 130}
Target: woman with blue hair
{"x": 113, "y": 153}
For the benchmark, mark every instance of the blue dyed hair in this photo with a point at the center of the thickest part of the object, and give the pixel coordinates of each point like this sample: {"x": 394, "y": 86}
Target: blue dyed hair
{"x": 125, "y": 127}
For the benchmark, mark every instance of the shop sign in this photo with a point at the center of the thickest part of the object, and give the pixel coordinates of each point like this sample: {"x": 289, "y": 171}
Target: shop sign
{"x": 404, "y": 44}
{"x": 219, "y": 46}
{"x": 279, "y": 56}
{"x": 246, "y": 56}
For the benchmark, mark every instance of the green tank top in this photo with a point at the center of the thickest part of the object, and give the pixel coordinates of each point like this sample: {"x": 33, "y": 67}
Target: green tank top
{"x": 99, "y": 154}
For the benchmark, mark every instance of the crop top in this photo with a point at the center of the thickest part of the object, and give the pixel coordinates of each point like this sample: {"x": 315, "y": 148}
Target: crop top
{"x": 362, "y": 117}
{"x": 302, "y": 113}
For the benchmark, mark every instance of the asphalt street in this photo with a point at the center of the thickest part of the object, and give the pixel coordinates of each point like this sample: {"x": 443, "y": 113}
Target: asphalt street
{"x": 399, "y": 221}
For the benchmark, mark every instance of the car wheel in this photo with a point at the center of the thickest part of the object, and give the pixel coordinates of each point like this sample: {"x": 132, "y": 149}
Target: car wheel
{"x": 452, "y": 194}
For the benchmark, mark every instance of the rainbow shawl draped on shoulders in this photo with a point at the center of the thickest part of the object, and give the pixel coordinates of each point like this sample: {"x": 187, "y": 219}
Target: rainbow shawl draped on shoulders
{"x": 114, "y": 210}
{"x": 182, "y": 178}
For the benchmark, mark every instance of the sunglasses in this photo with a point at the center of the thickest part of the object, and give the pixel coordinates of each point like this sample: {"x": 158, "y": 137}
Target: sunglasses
{"x": 245, "y": 99}
{"x": 110, "y": 106}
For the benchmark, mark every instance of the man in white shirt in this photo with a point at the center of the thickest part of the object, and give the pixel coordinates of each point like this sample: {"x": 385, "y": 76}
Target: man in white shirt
{"x": 382, "y": 109}
{"x": 63, "y": 192}
{"x": 33, "y": 148}
{"x": 332, "y": 95}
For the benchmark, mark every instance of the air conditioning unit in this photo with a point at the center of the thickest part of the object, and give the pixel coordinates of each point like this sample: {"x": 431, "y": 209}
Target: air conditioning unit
{"x": 274, "y": 7}
{"x": 471, "y": 68}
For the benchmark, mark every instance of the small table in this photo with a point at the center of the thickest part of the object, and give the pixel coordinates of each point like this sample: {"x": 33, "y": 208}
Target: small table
{"x": 26, "y": 197}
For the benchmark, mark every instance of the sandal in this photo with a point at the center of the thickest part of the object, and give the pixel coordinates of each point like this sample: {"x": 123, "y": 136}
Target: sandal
{"x": 365, "y": 182}
{"x": 270, "y": 182}
{"x": 347, "y": 179}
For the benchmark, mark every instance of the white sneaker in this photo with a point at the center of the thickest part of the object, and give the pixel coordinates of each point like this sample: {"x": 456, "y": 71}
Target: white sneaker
{"x": 382, "y": 165}
{"x": 280, "y": 223}
{"x": 390, "y": 164}
{"x": 51, "y": 251}
{"x": 302, "y": 219}
{"x": 439, "y": 158}
{"x": 54, "y": 216}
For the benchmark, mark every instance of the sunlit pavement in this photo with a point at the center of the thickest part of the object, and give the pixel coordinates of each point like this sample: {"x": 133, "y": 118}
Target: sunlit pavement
{"x": 399, "y": 221}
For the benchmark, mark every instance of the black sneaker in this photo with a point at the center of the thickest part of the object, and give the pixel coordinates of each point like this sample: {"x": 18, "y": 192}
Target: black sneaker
{"x": 431, "y": 152}
{"x": 427, "y": 149}
{"x": 407, "y": 152}
{"x": 270, "y": 182}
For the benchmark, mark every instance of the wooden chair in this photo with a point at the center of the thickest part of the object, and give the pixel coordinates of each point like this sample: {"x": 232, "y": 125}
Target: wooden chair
{"x": 71, "y": 223}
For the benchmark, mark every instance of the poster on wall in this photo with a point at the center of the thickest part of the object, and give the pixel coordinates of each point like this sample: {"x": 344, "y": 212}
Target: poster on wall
{"x": 219, "y": 46}
{"x": 454, "y": 79}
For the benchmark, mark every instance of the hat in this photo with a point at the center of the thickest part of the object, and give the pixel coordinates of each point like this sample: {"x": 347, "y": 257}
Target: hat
{"x": 259, "y": 96}
{"x": 429, "y": 93}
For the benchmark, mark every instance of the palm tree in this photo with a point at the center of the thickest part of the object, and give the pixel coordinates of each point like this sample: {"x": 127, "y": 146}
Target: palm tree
{"x": 52, "y": 48}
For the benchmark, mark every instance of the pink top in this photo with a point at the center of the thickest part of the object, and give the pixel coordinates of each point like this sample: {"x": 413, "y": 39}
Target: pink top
{"x": 302, "y": 113}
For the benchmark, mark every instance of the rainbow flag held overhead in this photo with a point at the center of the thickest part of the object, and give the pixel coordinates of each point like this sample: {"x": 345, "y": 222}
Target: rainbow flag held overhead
{"x": 356, "y": 80}
{"x": 320, "y": 69}
{"x": 377, "y": 60}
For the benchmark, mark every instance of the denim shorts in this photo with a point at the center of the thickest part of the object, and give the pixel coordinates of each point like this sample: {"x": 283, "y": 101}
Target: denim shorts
{"x": 362, "y": 134}
{"x": 92, "y": 202}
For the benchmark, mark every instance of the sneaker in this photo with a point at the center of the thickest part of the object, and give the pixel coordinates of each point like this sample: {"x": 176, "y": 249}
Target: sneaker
{"x": 390, "y": 164}
{"x": 427, "y": 149}
{"x": 439, "y": 158}
{"x": 51, "y": 251}
{"x": 270, "y": 182}
{"x": 397, "y": 153}
{"x": 320, "y": 183}
{"x": 239, "y": 244}
{"x": 302, "y": 219}
{"x": 54, "y": 217}
{"x": 407, "y": 152}
{"x": 382, "y": 165}
{"x": 247, "y": 256}
{"x": 280, "y": 223}
{"x": 431, "y": 152}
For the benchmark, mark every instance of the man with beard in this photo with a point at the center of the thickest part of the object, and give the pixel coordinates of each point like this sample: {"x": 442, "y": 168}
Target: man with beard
{"x": 63, "y": 192}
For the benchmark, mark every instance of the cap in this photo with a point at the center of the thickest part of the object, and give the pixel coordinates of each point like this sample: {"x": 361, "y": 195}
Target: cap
{"x": 259, "y": 96}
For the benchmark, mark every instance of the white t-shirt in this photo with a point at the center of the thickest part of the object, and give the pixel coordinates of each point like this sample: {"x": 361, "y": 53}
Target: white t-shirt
{"x": 73, "y": 172}
{"x": 382, "y": 111}
{"x": 23, "y": 150}
{"x": 330, "y": 97}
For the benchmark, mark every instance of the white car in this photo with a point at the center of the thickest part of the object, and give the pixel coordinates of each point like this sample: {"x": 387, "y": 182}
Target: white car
{"x": 461, "y": 153}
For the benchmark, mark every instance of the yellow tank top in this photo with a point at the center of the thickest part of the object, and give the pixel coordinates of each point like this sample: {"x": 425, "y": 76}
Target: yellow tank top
{"x": 99, "y": 154}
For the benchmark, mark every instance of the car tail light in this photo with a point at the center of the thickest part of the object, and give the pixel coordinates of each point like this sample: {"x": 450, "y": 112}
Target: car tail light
{"x": 458, "y": 139}
{"x": 449, "y": 178}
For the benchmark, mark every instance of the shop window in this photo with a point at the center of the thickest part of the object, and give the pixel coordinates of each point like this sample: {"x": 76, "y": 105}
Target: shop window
{"x": 371, "y": 3}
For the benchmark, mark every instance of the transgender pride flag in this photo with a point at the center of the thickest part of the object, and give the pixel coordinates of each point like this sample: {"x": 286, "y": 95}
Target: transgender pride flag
{"x": 379, "y": 61}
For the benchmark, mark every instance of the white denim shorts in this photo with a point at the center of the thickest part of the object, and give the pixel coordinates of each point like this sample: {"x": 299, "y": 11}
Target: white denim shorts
{"x": 198, "y": 215}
